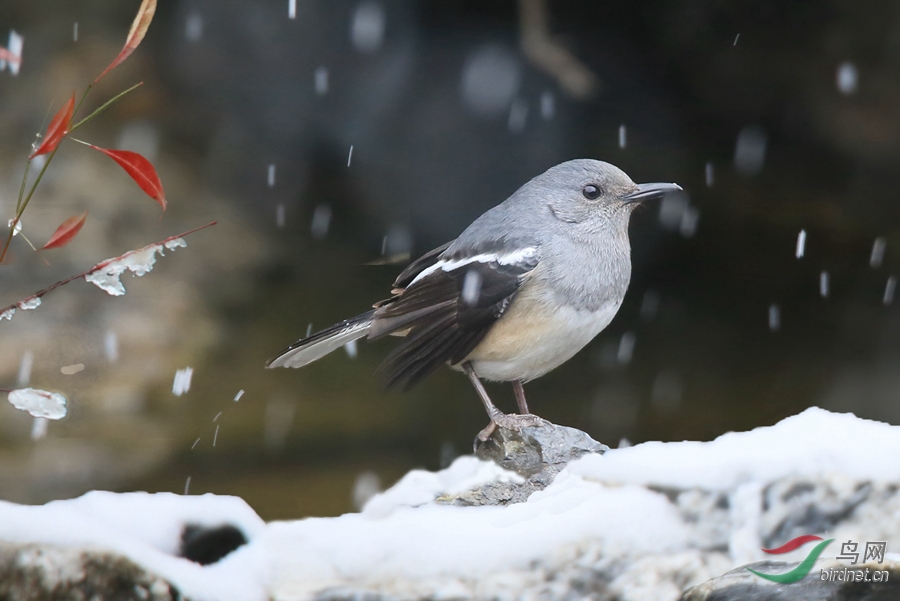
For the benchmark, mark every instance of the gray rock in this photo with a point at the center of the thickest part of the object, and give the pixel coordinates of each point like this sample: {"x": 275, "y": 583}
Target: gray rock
{"x": 33, "y": 571}
{"x": 537, "y": 454}
{"x": 742, "y": 584}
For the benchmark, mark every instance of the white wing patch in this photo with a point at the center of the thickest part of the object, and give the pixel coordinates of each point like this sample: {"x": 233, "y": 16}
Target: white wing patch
{"x": 519, "y": 256}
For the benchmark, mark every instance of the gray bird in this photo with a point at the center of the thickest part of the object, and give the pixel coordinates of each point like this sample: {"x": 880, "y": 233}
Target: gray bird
{"x": 518, "y": 293}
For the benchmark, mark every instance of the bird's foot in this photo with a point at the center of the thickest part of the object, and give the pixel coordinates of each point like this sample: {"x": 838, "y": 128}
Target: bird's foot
{"x": 510, "y": 421}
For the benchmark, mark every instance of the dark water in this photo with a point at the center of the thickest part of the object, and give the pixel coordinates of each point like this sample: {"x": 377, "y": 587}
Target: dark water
{"x": 428, "y": 159}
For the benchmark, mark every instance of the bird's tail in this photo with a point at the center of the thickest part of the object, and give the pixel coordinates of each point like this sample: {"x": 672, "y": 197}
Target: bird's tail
{"x": 306, "y": 350}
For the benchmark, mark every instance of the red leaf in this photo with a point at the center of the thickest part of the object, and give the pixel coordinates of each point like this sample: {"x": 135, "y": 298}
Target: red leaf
{"x": 140, "y": 170}
{"x": 66, "y": 232}
{"x": 58, "y": 128}
{"x": 138, "y": 30}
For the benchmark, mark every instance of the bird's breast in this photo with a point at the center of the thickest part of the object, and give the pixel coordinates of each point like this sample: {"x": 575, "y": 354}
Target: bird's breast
{"x": 535, "y": 336}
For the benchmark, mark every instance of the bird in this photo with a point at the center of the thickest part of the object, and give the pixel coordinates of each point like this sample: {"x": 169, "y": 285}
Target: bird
{"x": 518, "y": 293}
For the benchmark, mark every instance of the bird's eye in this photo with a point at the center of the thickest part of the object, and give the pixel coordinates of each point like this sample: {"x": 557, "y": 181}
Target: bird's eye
{"x": 591, "y": 192}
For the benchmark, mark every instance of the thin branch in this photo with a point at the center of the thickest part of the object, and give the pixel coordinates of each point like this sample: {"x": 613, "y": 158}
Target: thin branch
{"x": 103, "y": 107}
{"x": 20, "y": 210}
{"x": 100, "y": 266}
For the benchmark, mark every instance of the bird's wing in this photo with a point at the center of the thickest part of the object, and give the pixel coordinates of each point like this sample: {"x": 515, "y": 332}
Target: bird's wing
{"x": 424, "y": 262}
{"x": 447, "y": 307}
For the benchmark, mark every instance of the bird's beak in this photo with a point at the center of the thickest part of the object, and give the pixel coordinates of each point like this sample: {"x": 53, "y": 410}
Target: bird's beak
{"x": 650, "y": 191}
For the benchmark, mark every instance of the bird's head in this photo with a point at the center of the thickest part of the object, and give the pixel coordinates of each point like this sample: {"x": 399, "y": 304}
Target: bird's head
{"x": 585, "y": 190}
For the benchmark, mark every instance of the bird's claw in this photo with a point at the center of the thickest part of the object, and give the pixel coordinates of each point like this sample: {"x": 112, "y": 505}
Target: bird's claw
{"x": 511, "y": 421}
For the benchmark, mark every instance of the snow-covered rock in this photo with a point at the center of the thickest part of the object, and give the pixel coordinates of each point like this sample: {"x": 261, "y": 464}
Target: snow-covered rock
{"x": 641, "y": 523}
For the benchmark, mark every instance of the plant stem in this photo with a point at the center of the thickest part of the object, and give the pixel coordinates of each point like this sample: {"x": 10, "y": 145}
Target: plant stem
{"x": 22, "y": 188}
{"x": 21, "y": 209}
{"x": 104, "y": 106}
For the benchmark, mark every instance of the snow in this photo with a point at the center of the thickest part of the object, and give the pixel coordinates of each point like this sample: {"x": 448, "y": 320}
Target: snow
{"x": 8, "y": 314}
{"x": 14, "y": 48}
{"x": 815, "y": 442}
{"x": 847, "y": 78}
{"x": 139, "y": 262}
{"x": 877, "y": 255}
{"x": 147, "y": 529}
{"x": 182, "y": 382}
{"x": 32, "y": 302}
{"x": 403, "y": 542}
{"x": 38, "y": 403}
{"x": 889, "y": 288}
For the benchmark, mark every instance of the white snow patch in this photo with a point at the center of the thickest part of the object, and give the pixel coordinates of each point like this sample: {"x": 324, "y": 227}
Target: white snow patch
{"x": 8, "y": 314}
{"x": 38, "y": 403}
{"x": 815, "y": 442}
{"x": 420, "y": 487}
{"x": 147, "y": 529}
{"x": 106, "y": 274}
{"x": 32, "y": 302}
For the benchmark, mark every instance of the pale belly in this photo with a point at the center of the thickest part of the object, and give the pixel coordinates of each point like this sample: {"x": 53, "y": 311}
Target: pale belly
{"x": 530, "y": 339}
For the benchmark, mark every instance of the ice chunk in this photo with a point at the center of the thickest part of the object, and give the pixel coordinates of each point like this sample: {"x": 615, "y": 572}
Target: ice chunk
{"x": 39, "y": 403}
{"x": 8, "y": 314}
{"x": 182, "y": 381}
{"x": 106, "y": 274}
{"x": 18, "y": 226}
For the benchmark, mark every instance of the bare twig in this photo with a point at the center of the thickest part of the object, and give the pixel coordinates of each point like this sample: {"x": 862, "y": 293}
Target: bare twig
{"x": 100, "y": 266}
{"x": 549, "y": 55}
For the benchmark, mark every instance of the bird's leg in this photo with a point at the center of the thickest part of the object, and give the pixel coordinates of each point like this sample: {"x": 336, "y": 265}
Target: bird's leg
{"x": 520, "y": 396}
{"x": 498, "y": 418}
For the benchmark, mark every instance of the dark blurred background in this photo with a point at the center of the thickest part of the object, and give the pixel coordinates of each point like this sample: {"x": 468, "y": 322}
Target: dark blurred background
{"x": 775, "y": 117}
